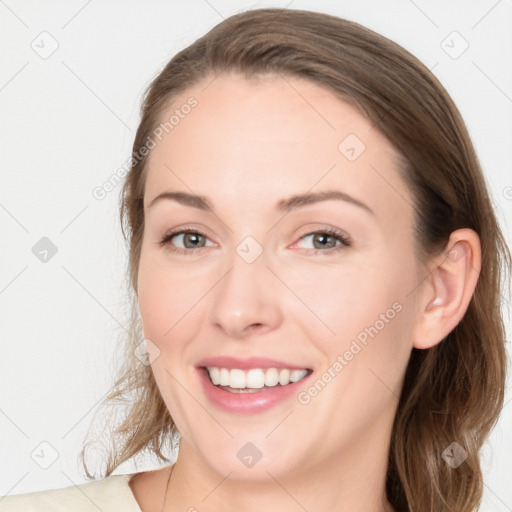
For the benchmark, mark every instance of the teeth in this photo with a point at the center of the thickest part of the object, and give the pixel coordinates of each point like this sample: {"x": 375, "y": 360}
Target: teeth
{"x": 237, "y": 379}
{"x": 271, "y": 377}
{"x": 296, "y": 375}
{"x": 255, "y": 378}
{"x": 284, "y": 377}
{"x": 224, "y": 377}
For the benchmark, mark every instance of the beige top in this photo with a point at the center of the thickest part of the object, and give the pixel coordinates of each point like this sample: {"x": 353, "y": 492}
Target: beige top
{"x": 112, "y": 494}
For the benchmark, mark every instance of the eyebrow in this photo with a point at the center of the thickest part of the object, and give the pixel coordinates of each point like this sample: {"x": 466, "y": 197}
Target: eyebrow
{"x": 284, "y": 205}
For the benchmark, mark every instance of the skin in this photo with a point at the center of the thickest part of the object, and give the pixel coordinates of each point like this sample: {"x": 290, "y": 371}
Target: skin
{"x": 247, "y": 145}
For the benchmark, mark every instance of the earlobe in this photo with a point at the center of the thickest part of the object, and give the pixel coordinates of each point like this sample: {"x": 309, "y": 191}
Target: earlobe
{"x": 447, "y": 292}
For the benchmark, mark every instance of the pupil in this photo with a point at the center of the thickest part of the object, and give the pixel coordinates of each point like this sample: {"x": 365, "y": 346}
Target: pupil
{"x": 194, "y": 235}
{"x": 324, "y": 236}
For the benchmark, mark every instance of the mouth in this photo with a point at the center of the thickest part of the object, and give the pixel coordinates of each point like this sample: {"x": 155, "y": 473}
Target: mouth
{"x": 254, "y": 380}
{"x": 249, "y": 391}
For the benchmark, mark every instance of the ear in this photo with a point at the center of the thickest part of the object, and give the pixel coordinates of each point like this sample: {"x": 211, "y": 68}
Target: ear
{"x": 448, "y": 289}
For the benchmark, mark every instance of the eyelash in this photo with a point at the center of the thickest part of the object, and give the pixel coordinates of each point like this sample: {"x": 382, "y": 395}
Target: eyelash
{"x": 345, "y": 241}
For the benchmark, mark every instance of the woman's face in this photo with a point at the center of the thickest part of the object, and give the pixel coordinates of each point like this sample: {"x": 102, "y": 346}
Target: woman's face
{"x": 263, "y": 287}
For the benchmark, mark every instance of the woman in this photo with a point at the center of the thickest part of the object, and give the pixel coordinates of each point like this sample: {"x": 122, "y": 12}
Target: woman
{"x": 317, "y": 267}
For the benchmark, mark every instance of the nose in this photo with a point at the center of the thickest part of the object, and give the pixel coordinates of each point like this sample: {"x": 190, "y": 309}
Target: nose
{"x": 246, "y": 301}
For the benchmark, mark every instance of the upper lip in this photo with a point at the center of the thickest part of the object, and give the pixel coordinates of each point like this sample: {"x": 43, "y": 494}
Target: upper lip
{"x": 248, "y": 363}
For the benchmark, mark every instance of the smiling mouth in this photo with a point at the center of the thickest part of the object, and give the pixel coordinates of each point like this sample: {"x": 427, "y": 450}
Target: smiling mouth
{"x": 236, "y": 380}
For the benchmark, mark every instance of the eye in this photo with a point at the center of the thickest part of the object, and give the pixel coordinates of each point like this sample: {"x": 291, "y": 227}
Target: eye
{"x": 191, "y": 238}
{"x": 325, "y": 240}
{"x": 328, "y": 240}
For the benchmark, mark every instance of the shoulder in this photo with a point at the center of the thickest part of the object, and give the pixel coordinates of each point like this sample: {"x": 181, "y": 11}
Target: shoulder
{"x": 112, "y": 494}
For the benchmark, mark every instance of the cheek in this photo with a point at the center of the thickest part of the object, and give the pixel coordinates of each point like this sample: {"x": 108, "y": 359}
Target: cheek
{"x": 374, "y": 333}
{"x": 154, "y": 303}
{"x": 361, "y": 310}
{"x": 169, "y": 297}
{"x": 342, "y": 300}
{"x": 159, "y": 298}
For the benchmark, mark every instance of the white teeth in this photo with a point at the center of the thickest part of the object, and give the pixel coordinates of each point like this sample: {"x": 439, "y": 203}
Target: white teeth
{"x": 237, "y": 379}
{"x": 271, "y": 377}
{"x": 214, "y": 375}
{"x": 296, "y": 375}
{"x": 255, "y": 378}
{"x": 284, "y": 377}
{"x": 224, "y": 377}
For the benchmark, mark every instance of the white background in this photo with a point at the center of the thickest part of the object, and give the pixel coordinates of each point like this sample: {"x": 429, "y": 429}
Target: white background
{"x": 68, "y": 123}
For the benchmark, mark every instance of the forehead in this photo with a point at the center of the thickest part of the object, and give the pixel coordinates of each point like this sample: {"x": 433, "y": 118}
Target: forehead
{"x": 262, "y": 139}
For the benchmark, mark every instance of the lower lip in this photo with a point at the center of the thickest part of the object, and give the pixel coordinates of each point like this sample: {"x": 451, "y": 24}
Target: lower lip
{"x": 244, "y": 402}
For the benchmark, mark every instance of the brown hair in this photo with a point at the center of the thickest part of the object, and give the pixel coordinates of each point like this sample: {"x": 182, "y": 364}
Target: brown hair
{"x": 453, "y": 391}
